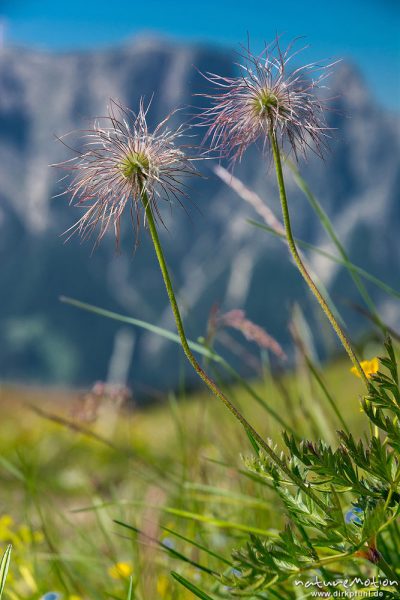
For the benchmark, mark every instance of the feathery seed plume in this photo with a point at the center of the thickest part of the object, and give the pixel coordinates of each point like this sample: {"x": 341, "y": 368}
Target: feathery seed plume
{"x": 123, "y": 164}
{"x": 267, "y": 97}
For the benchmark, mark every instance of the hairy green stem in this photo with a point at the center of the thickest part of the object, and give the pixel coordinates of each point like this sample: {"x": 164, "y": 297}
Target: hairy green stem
{"x": 388, "y": 570}
{"x": 206, "y": 379}
{"x": 300, "y": 265}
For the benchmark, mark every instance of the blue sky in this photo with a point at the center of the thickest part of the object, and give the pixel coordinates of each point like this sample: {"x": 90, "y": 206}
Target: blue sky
{"x": 366, "y": 31}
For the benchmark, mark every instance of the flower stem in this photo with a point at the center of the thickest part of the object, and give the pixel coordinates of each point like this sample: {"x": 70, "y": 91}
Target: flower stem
{"x": 388, "y": 570}
{"x": 300, "y": 265}
{"x": 206, "y": 379}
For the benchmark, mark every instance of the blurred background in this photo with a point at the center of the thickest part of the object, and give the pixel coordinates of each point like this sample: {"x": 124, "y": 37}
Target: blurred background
{"x": 59, "y": 65}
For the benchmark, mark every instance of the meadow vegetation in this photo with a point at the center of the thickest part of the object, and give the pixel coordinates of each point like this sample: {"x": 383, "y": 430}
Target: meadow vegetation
{"x": 291, "y": 492}
{"x": 171, "y": 470}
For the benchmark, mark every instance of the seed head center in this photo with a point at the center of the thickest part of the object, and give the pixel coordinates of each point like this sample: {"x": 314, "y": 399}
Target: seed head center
{"x": 135, "y": 164}
{"x": 264, "y": 101}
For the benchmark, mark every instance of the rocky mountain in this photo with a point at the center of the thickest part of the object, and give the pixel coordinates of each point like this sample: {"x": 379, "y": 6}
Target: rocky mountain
{"x": 214, "y": 253}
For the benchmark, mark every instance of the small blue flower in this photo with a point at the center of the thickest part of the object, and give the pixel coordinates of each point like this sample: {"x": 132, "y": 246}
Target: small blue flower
{"x": 352, "y": 516}
{"x": 51, "y": 596}
{"x": 168, "y": 543}
{"x": 236, "y": 572}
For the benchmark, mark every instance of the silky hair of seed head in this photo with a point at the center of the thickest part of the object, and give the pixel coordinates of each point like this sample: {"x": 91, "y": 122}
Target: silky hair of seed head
{"x": 267, "y": 98}
{"x": 123, "y": 164}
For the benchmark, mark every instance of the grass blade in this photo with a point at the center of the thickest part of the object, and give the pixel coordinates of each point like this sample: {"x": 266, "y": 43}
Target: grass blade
{"x": 130, "y": 590}
{"x": 4, "y": 565}
{"x": 253, "y": 442}
{"x": 173, "y": 337}
{"x": 349, "y": 265}
{"x": 171, "y": 551}
{"x": 169, "y": 335}
{"x": 327, "y": 224}
{"x": 198, "y": 545}
{"x": 220, "y": 523}
{"x": 318, "y": 377}
{"x": 190, "y": 586}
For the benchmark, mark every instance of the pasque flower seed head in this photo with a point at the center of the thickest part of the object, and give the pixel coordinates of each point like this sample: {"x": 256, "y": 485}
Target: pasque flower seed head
{"x": 266, "y": 97}
{"x": 124, "y": 164}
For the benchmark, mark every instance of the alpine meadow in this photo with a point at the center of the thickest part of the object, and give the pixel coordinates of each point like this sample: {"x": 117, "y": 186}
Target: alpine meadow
{"x": 200, "y": 334}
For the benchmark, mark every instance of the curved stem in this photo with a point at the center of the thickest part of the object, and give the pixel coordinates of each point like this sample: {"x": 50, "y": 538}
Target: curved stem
{"x": 207, "y": 380}
{"x": 300, "y": 265}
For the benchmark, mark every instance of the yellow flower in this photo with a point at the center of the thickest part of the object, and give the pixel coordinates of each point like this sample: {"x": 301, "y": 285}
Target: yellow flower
{"x": 162, "y": 585}
{"x": 74, "y": 597}
{"x": 6, "y": 524}
{"x": 28, "y": 578}
{"x": 121, "y": 570}
{"x": 370, "y": 367}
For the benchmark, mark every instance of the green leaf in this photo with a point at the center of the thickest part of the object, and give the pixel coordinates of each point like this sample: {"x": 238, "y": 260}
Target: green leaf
{"x": 174, "y": 553}
{"x": 190, "y": 586}
{"x": 253, "y": 442}
{"x": 220, "y": 523}
{"x": 173, "y": 337}
{"x": 326, "y": 223}
{"x": 169, "y": 335}
{"x": 198, "y": 545}
{"x": 130, "y": 590}
{"x": 349, "y": 265}
{"x": 4, "y": 565}
{"x": 373, "y": 520}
